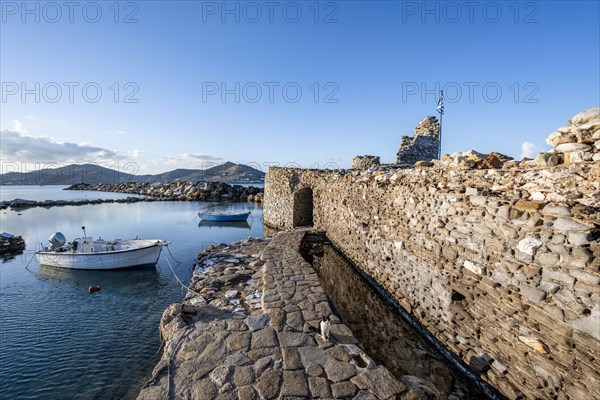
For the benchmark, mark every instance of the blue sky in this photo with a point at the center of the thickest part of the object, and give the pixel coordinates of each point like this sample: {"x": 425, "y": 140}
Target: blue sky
{"x": 367, "y": 72}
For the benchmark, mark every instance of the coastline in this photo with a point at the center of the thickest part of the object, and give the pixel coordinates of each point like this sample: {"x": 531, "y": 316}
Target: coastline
{"x": 172, "y": 191}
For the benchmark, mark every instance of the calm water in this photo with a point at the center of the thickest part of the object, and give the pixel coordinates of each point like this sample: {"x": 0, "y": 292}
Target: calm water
{"x": 59, "y": 342}
{"x": 54, "y": 192}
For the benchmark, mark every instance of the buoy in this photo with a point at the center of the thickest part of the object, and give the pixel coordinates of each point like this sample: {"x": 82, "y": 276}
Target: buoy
{"x": 94, "y": 288}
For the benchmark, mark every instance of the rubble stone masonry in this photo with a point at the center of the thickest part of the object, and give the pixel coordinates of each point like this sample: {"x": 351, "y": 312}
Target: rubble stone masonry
{"x": 500, "y": 265}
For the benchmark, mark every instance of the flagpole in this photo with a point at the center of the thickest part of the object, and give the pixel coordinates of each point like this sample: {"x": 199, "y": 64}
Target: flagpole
{"x": 441, "y": 111}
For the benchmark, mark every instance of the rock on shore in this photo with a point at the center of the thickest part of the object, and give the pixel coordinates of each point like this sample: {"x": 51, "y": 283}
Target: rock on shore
{"x": 187, "y": 191}
{"x": 10, "y": 243}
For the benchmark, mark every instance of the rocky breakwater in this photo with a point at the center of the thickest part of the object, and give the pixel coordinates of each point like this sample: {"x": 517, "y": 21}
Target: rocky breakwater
{"x": 10, "y": 244}
{"x": 244, "y": 332}
{"x": 22, "y": 204}
{"x": 179, "y": 191}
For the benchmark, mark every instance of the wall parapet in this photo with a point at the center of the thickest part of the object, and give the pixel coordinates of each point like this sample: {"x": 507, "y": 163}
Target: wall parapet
{"x": 500, "y": 265}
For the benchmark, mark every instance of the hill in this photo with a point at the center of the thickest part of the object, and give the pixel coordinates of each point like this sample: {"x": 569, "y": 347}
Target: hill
{"x": 92, "y": 173}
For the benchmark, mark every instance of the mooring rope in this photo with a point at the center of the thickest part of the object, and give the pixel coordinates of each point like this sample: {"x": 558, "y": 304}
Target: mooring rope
{"x": 174, "y": 259}
{"x": 178, "y": 280}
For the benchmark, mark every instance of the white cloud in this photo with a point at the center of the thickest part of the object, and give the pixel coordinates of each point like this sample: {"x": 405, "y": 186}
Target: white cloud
{"x": 134, "y": 154}
{"x": 530, "y": 150}
{"x": 192, "y": 160}
{"x": 17, "y": 146}
{"x": 203, "y": 157}
{"x": 17, "y": 126}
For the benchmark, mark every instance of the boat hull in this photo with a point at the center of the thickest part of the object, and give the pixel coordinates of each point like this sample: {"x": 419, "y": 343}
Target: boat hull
{"x": 223, "y": 217}
{"x": 110, "y": 260}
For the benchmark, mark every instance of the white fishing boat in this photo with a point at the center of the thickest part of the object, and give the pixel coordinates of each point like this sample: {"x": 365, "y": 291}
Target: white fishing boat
{"x": 87, "y": 253}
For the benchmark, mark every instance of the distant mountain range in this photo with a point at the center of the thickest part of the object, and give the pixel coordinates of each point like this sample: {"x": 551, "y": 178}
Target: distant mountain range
{"x": 91, "y": 173}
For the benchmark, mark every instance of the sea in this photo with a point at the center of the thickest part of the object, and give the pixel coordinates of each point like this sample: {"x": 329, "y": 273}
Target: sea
{"x": 57, "y": 341}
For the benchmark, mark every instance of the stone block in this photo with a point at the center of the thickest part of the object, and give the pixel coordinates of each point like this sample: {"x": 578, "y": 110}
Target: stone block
{"x": 380, "y": 382}
{"x": 532, "y": 294}
{"x": 338, "y": 371}
{"x": 294, "y": 384}
{"x": 319, "y": 388}
{"x": 364, "y": 162}
{"x": 343, "y": 390}
{"x": 558, "y": 276}
{"x": 476, "y": 268}
{"x": 569, "y": 225}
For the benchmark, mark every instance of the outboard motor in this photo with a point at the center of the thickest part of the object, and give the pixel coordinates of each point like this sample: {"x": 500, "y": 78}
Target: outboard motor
{"x": 57, "y": 240}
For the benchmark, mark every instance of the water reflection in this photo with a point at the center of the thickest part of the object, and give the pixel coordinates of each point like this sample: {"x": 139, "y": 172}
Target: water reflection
{"x": 380, "y": 330}
{"x": 4, "y": 257}
{"x": 127, "y": 279}
{"x": 224, "y": 224}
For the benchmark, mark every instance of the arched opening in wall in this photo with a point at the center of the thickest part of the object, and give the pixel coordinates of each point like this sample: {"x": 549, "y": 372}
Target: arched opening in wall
{"x": 303, "y": 207}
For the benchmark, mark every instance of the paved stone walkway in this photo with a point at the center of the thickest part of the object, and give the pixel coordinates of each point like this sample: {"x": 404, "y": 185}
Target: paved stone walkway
{"x": 238, "y": 336}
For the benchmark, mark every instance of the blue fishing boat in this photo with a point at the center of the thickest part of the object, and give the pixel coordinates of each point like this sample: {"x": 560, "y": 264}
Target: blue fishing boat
{"x": 223, "y": 217}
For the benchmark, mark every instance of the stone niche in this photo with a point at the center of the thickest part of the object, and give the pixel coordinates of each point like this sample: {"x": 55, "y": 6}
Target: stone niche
{"x": 423, "y": 145}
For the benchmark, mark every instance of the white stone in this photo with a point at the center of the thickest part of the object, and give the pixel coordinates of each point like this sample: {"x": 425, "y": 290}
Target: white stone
{"x": 589, "y": 324}
{"x": 474, "y": 267}
{"x": 557, "y": 211}
{"x": 591, "y": 126}
{"x": 399, "y": 245}
{"x": 580, "y": 156}
{"x": 559, "y": 137}
{"x": 219, "y": 375}
{"x": 567, "y": 224}
{"x": 499, "y": 367}
{"x": 198, "y": 301}
{"x": 230, "y": 294}
{"x": 585, "y": 116}
{"x": 578, "y": 239}
{"x": 569, "y": 147}
{"x": 537, "y": 196}
{"x": 529, "y": 245}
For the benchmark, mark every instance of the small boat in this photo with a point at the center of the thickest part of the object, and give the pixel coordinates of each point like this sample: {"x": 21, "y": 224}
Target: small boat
{"x": 90, "y": 254}
{"x": 222, "y": 217}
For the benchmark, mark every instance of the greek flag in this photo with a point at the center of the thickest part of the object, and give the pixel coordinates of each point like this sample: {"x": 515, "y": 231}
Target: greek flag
{"x": 440, "y": 106}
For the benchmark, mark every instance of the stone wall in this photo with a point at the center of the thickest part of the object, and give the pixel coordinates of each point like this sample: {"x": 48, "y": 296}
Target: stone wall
{"x": 423, "y": 146}
{"x": 578, "y": 142}
{"x": 364, "y": 162}
{"x": 501, "y": 266}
